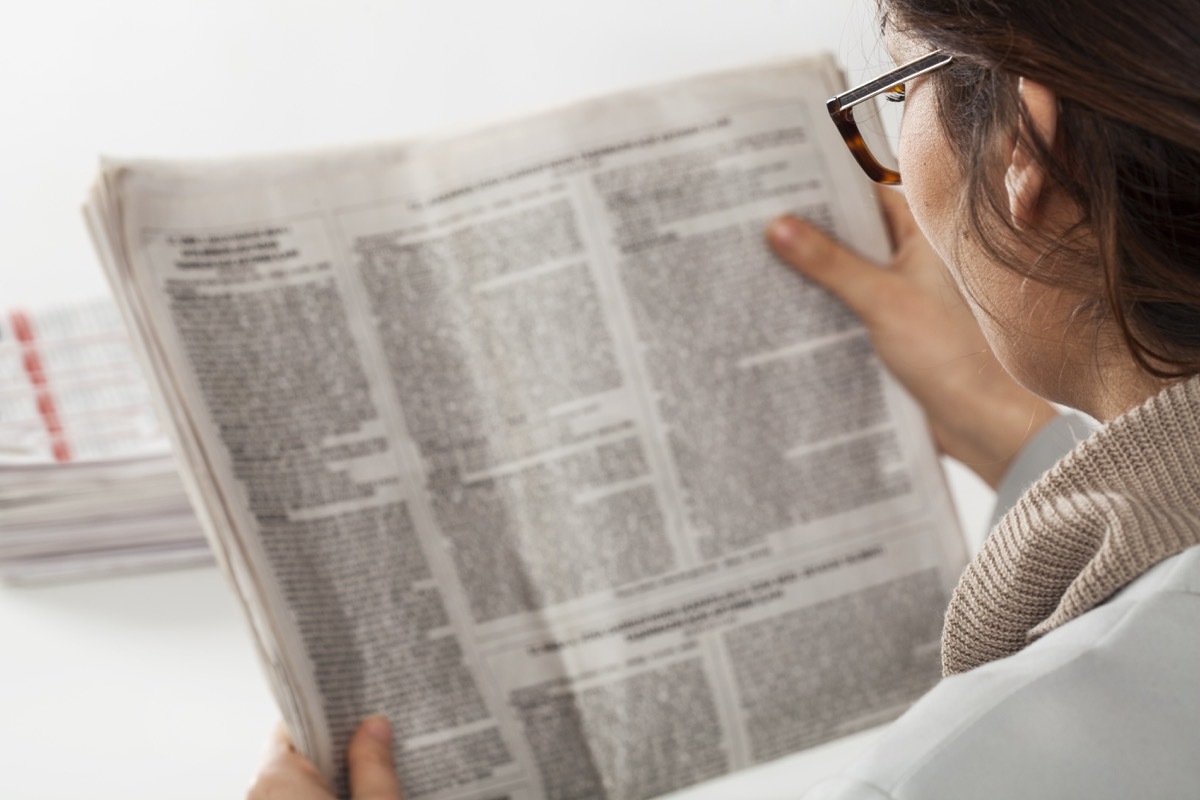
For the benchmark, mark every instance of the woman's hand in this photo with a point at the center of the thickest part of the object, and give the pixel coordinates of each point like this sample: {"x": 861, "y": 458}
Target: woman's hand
{"x": 287, "y": 775}
{"x": 925, "y": 334}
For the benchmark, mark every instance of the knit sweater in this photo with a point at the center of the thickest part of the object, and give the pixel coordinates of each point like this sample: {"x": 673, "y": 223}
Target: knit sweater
{"x": 1125, "y": 499}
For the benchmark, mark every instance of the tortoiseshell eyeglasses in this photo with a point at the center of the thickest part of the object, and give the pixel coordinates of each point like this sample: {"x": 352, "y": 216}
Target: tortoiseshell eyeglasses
{"x": 868, "y": 116}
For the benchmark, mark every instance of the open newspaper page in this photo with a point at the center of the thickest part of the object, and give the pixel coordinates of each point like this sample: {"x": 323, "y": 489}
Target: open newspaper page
{"x": 524, "y": 439}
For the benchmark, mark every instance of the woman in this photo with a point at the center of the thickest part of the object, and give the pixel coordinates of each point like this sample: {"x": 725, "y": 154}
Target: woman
{"x": 1051, "y": 158}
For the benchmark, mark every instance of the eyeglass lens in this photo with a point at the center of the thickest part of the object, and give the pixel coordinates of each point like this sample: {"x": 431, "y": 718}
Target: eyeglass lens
{"x": 879, "y": 123}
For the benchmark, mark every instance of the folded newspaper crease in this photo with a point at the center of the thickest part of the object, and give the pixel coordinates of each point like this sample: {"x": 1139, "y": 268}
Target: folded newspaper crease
{"x": 523, "y": 438}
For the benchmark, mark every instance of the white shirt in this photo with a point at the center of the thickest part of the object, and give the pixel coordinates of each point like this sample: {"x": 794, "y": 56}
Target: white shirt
{"x": 1105, "y": 706}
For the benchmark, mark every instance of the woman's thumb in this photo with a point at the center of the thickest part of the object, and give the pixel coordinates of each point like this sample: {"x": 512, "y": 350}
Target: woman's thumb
{"x": 372, "y": 775}
{"x": 858, "y": 282}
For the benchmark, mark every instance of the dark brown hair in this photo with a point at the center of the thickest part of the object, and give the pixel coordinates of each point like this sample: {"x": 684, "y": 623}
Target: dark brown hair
{"x": 1126, "y": 152}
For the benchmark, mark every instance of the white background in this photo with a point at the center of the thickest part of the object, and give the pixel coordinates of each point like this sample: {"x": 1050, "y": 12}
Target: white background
{"x": 147, "y": 687}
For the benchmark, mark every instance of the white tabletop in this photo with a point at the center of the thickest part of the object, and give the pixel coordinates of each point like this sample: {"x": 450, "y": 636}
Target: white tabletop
{"x": 147, "y": 686}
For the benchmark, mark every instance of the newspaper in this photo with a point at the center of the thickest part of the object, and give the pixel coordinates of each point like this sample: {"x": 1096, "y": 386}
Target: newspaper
{"x": 523, "y": 438}
{"x": 71, "y": 389}
{"x": 87, "y": 484}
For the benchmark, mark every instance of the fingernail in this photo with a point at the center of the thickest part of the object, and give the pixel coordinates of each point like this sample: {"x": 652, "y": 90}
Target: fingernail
{"x": 378, "y": 728}
{"x": 784, "y": 231}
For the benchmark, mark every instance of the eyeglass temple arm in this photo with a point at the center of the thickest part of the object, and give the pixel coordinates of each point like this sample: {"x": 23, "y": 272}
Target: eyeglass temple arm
{"x": 897, "y": 76}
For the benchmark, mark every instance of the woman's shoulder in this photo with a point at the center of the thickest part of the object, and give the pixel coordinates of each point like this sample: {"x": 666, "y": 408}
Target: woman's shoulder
{"x": 1105, "y": 706}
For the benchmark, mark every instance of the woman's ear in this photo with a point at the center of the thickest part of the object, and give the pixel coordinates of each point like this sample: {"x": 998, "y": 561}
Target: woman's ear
{"x": 1025, "y": 177}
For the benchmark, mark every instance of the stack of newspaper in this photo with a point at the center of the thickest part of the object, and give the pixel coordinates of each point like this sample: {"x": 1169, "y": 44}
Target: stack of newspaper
{"x": 87, "y": 482}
